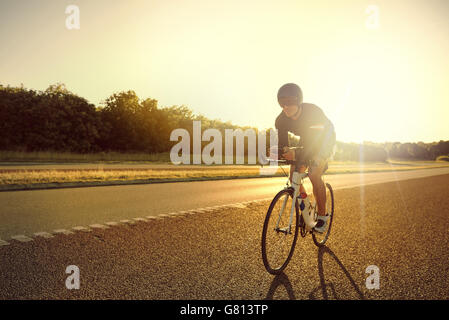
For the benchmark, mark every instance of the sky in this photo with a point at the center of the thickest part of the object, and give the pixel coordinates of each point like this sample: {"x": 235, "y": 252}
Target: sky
{"x": 378, "y": 69}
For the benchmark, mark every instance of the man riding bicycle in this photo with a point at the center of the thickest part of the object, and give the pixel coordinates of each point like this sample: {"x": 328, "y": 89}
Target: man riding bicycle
{"x": 317, "y": 139}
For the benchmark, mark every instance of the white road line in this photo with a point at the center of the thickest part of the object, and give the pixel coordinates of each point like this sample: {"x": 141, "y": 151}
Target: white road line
{"x": 238, "y": 205}
{"x": 22, "y": 238}
{"x": 63, "y": 231}
{"x": 128, "y": 221}
{"x": 45, "y": 235}
{"x": 175, "y": 214}
{"x": 98, "y": 226}
{"x": 80, "y": 228}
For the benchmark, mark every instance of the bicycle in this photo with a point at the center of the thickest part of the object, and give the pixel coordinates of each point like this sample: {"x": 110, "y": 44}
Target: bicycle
{"x": 287, "y": 225}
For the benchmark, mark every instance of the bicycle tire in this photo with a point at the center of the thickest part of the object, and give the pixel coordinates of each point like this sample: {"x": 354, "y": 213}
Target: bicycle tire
{"x": 268, "y": 265}
{"x": 320, "y": 243}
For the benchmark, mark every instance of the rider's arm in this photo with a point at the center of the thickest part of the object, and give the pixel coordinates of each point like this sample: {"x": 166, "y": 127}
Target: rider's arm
{"x": 282, "y": 134}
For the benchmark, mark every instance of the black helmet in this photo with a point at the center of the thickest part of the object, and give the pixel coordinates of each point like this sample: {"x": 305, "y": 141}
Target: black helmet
{"x": 289, "y": 94}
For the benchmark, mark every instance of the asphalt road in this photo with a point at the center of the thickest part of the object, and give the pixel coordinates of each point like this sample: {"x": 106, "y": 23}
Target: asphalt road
{"x": 401, "y": 227}
{"x": 29, "y": 212}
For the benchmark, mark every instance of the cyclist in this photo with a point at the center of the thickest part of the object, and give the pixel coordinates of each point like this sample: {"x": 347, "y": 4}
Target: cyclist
{"x": 317, "y": 137}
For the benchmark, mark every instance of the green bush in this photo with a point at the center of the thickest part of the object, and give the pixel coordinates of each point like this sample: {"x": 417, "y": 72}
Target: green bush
{"x": 443, "y": 158}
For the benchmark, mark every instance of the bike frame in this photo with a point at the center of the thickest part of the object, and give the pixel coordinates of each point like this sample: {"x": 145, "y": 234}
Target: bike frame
{"x": 297, "y": 181}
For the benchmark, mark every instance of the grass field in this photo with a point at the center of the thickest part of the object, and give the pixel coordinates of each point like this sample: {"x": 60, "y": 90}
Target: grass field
{"x": 48, "y": 156}
{"x": 26, "y": 176}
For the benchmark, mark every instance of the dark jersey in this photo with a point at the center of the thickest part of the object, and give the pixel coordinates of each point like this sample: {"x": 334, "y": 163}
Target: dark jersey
{"x": 316, "y": 131}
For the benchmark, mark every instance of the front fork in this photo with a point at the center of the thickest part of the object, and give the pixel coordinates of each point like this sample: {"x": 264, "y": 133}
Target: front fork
{"x": 295, "y": 185}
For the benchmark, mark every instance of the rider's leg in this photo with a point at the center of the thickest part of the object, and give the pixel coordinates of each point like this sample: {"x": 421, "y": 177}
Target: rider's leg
{"x": 319, "y": 189}
{"x": 301, "y": 169}
{"x": 319, "y": 165}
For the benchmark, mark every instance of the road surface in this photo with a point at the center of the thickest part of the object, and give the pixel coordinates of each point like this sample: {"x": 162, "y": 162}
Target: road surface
{"x": 401, "y": 227}
{"x": 29, "y": 212}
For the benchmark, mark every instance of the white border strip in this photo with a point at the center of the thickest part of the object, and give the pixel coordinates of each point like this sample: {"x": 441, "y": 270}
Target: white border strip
{"x": 45, "y": 235}
{"x": 22, "y": 238}
{"x": 83, "y": 229}
{"x": 107, "y": 225}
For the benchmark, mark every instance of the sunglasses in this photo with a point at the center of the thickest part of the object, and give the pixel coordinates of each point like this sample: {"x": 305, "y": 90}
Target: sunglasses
{"x": 288, "y": 101}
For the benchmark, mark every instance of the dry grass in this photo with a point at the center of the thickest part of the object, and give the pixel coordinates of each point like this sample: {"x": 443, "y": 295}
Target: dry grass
{"x": 60, "y": 176}
{"x": 48, "y": 156}
{"x": 43, "y": 176}
{"x": 107, "y": 157}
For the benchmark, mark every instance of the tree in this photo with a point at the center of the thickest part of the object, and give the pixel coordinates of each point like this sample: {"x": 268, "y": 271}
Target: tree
{"x": 120, "y": 112}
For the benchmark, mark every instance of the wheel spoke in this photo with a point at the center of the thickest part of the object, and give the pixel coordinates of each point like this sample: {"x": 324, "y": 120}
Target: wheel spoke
{"x": 278, "y": 245}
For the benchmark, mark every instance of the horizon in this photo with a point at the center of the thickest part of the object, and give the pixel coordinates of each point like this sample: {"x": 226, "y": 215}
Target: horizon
{"x": 224, "y": 61}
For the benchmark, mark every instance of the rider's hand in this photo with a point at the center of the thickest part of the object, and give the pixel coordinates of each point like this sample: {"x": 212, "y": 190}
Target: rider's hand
{"x": 289, "y": 154}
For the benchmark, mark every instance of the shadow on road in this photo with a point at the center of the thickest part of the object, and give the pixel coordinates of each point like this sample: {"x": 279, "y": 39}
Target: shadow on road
{"x": 325, "y": 286}
{"x": 279, "y": 280}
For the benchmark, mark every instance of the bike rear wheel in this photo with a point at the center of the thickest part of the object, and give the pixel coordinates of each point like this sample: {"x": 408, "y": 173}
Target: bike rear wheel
{"x": 320, "y": 238}
{"x": 278, "y": 243}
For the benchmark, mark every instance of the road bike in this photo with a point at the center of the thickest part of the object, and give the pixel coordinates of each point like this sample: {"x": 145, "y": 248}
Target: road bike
{"x": 286, "y": 217}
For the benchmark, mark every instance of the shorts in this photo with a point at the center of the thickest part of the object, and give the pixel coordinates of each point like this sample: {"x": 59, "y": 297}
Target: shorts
{"x": 327, "y": 146}
{"x": 325, "y": 151}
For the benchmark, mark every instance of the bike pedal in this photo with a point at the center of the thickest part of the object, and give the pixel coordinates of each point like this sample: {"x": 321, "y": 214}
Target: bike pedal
{"x": 283, "y": 230}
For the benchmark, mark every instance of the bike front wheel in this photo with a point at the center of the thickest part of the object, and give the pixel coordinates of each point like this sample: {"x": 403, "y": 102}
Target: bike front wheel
{"x": 279, "y": 236}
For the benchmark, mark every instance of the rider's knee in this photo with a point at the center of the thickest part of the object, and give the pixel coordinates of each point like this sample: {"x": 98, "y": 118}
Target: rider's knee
{"x": 315, "y": 177}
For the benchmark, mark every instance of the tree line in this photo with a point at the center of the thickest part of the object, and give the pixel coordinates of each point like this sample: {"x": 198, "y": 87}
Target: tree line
{"x": 370, "y": 151}
{"x": 59, "y": 120}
